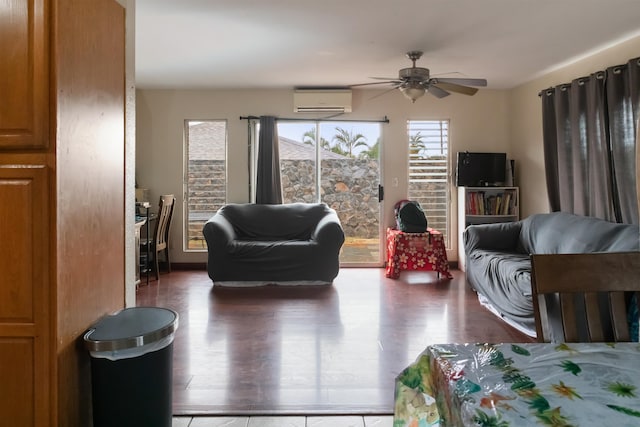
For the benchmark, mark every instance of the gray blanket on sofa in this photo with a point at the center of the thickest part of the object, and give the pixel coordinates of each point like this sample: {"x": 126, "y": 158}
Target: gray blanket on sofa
{"x": 498, "y": 264}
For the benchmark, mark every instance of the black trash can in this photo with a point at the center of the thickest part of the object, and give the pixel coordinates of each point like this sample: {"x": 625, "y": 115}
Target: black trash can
{"x": 131, "y": 367}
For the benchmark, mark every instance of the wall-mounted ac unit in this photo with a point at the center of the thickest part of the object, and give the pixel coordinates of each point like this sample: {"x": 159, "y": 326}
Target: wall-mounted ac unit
{"x": 322, "y": 100}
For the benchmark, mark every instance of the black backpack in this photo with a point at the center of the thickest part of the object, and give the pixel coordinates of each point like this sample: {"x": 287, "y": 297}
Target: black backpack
{"x": 410, "y": 217}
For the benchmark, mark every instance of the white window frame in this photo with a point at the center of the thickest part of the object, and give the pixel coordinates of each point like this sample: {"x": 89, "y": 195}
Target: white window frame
{"x": 204, "y": 152}
{"x": 425, "y": 170}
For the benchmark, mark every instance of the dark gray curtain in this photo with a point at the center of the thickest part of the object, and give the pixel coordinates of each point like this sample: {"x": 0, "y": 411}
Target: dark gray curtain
{"x": 589, "y": 144}
{"x": 550, "y": 136}
{"x": 268, "y": 184}
{"x": 623, "y": 99}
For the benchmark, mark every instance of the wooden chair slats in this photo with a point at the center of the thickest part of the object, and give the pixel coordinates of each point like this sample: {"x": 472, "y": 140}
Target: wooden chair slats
{"x": 619, "y": 316}
{"x": 595, "y": 325}
{"x": 568, "y": 317}
{"x": 591, "y": 293}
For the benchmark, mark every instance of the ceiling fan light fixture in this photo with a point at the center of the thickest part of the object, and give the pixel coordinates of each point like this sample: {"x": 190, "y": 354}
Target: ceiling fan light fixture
{"x": 412, "y": 90}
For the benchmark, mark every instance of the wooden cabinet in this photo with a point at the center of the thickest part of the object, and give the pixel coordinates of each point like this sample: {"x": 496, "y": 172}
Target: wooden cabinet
{"x": 482, "y": 205}
{"x": 24, "y": 265}
{"x": 61, "y": 200}
{"x": 24, "y": 86}
{"x": 25, "y": 310}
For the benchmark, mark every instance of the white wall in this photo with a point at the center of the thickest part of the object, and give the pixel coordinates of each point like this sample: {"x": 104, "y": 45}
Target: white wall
{"x": 480, "y": 122}
{"x": 525, "y": 111}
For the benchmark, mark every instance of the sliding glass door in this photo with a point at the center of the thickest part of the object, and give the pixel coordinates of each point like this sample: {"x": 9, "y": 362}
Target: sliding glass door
{"x": 337, "y": 163}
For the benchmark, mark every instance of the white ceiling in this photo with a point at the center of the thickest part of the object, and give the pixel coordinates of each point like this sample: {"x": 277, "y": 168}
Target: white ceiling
{"x": 329, "y": 43}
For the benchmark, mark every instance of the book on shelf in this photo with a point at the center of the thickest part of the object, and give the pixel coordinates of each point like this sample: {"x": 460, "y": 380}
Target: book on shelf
{"x": 507, "y": 203}
{"x": 479, "y": 203}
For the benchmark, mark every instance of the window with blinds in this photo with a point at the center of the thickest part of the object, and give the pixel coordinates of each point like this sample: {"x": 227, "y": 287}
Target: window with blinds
{"x": 429, "y": 171}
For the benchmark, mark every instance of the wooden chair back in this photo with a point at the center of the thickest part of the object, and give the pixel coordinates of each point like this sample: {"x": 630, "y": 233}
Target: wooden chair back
{"x": 163, "y": 222}
{"x": 584, "y": 297}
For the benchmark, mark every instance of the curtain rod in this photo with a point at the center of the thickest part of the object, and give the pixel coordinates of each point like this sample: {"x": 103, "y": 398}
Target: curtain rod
{"x": 298, "y": 119}
{"x": 600, "y": 75}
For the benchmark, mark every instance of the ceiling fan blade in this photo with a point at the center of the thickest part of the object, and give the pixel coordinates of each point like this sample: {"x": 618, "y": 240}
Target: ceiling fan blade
{"x": 436, "y": 91}
{"x": 376, "y": 83}
{"x": 383, "y": 93}
{"x": 384, "y": 78}
{"x": 452, "y": 87}
{"x": 460, "y": 81}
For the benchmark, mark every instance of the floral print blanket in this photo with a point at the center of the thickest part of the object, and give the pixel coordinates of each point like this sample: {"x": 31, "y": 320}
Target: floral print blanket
{"x": 502, "y": 385}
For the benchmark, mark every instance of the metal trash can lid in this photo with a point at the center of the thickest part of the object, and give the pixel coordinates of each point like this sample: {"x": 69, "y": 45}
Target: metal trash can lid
{"x": 130, "y": 328}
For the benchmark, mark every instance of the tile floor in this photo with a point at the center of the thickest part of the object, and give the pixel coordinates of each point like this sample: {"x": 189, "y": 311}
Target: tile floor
{"x": 286, "y": 421}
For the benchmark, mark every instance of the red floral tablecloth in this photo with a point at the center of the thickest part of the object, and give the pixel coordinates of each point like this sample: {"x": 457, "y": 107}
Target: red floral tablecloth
{"x": 416, "y": 251}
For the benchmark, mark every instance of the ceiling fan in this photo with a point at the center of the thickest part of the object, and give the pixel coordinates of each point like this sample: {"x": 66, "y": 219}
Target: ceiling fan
{"x": 415, "y": 81}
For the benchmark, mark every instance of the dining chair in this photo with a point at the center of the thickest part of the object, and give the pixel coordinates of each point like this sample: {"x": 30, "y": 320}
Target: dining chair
{"x": 584, "y": 297}
{"x": 159, "y": 242}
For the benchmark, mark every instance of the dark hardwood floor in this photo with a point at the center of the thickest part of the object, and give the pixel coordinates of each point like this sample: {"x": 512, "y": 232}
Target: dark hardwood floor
{"x": 311, "y": 350}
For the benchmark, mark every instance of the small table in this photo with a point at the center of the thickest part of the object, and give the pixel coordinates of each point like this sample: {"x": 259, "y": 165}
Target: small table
{"x": 144, "y": 220}
{"x": 416, "y": 252}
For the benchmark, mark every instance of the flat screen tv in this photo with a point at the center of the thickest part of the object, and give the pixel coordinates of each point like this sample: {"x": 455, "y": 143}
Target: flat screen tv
{"x": 481, "y": 169}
